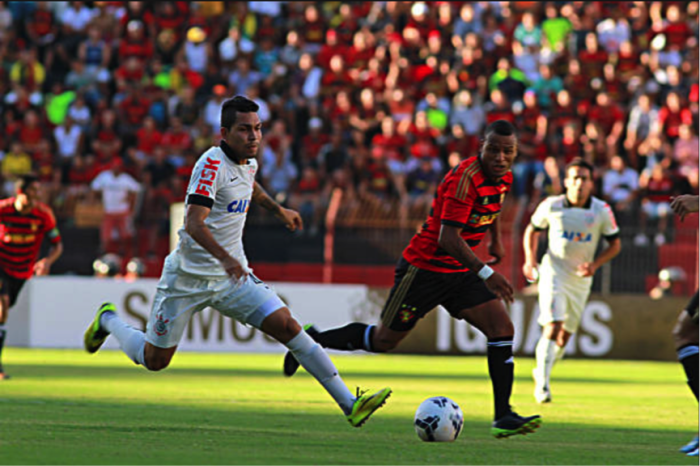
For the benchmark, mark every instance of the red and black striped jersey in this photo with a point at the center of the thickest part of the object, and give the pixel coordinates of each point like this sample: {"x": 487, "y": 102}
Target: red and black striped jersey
{"x": 21, "y": 236}
{"x": 466, "y": 198}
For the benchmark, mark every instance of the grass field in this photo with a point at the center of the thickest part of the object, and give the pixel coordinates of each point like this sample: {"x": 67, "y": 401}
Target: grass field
{"x": 66, "y": 407}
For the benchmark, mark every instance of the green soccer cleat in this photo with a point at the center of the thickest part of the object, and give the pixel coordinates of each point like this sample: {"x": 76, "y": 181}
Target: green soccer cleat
{"x": 365, "y": 405}
{"x": 513, "y": 424}
{"x": 95, "y": 335}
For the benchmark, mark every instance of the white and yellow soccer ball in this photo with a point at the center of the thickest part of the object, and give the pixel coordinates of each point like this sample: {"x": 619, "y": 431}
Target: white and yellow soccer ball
{"x": 438, "y": 419}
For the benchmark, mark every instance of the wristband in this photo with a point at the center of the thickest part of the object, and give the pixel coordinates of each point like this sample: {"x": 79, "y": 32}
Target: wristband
{"x": 485, "y": 272}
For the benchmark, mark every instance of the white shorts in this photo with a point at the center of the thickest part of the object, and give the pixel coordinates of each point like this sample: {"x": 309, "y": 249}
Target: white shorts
{"x": 562, "y": 304}
{"x": 180, "y": 295}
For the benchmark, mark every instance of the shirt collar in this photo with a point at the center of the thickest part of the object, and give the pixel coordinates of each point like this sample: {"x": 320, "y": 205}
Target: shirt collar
{"x": 587, "y": 205}
{"x": 229, "y": 152}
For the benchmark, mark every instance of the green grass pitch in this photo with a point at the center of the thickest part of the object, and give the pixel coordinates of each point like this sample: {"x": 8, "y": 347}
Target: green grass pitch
{"x": 67, "y": 407}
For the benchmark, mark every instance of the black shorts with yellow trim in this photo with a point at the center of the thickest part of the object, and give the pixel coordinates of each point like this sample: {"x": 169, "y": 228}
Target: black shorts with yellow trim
{"x": 416, "y": 292}
{"x": 10, "y": 286}
{"x": 692, "y": 308}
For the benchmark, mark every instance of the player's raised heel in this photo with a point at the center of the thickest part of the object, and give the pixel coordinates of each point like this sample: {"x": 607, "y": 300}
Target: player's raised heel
{"x": 542, "y": 393}
{"x": 95, "y": 335}
{"x": 514, "y": 424}
{"x": 291, "y": 365}
{"x": 365, "y": 405}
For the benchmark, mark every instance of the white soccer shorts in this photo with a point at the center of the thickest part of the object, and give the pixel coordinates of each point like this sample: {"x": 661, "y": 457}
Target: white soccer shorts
{"x": 562, "y": 304}
{"x": 180, "y": 295}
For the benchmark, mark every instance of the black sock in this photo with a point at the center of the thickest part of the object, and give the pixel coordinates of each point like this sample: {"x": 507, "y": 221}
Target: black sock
{"x": 3, "y": 333}
{"x": 355, "y": 336}
{"x": 500, "y": 357}
{"x": 688, "y": 357}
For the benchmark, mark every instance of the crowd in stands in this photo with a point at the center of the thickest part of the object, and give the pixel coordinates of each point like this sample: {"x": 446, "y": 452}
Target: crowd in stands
{"x": 376, "y": 98}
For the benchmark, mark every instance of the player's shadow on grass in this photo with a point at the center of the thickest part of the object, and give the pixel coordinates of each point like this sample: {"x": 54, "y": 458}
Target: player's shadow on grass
{"x": 104, "y": 372}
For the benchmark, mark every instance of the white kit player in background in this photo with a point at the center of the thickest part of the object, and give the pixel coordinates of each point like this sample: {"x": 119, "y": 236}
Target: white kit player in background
{"x": 209, "y": 268}
{"x": 576, "y": 221}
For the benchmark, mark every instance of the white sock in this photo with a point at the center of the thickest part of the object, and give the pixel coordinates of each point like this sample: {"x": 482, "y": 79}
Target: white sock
{"x": 131, "y": 341}
{"x": 545, "y": 355}
{"x": 561, "y": 350}
{"x": 317, "y": 363}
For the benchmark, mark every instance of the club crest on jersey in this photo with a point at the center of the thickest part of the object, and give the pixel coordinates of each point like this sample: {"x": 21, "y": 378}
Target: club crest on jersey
{"x": 577, "y": 236}
{"x": 476, "y": 220}
{"x": 407, "y": 313}
{"x": 239, "y": 206}
{"x": 589, "y": 218}
{"x": 161, "y": 327}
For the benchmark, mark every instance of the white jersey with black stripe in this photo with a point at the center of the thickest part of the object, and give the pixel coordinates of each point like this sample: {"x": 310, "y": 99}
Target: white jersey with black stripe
{"x": 227, "y": 188}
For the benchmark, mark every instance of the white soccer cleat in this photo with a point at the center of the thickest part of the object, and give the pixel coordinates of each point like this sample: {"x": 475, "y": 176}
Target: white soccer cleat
{"x": 690, "y": 446}
{"x": 542, "y": 393}
{"x": 693, "y": 453}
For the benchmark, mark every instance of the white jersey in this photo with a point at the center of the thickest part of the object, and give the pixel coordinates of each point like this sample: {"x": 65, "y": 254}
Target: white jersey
{"x": 574, "y": 233}
{"x": 227, "y": 187}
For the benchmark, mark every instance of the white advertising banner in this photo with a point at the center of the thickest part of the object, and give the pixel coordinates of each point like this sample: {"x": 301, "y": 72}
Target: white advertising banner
{"x": 53, "y": 312}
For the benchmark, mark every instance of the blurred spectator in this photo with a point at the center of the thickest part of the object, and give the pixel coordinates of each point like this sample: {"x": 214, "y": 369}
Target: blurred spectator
{"x": 469, "y": 20}
{"x": 528, "y": 32}
{"x": 118, "y": 190}
{"x": 176, "y": 140}
{"x": 548, "y": 182}
{"x": 610, "y": 120}
{"x": 547, "y": 86}
{"x": 148, "y": 138}
{"x": 511, "y": 81}
{"x": 467, "y": 113}
{"x": 106, "y": 138}
{"x": 685, "y": 152}
{"x": 656, "y": 186}
{"x": 555, "y": 29}
{"x": 421, "y": 183}
{"x": 243, "y": 77}
{"x": 15, "y": 163}
{"x": 672, "y": 115}
{"x": 278, "y": 170}
{"x": 334, "y": 157}
{"x": 643, "y": 122}
{"x": 80, "y": 113}
{"x": 27, "y": 71}
{"x": 620, "y": 186}
{"x": 70, "y": 141}
{"x": 196, "y": 50}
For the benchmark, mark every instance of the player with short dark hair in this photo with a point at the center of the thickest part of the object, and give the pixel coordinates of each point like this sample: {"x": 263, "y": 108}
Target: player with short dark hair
{"x": 209, "y": 268}
{"x": 439, "y": 268}
{"x": 24, "y": 223}
{"x": 685, "y": 333}
{"x": 576, "y": 221}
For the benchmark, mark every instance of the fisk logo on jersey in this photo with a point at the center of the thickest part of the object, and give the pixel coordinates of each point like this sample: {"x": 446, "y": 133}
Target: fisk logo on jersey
{"x": 239, "y": 206}
{"x": 207, "y": 177}
{"x": 577, "y": 236}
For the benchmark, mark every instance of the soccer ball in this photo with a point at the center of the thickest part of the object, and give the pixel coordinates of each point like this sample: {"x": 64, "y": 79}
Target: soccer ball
{"x": 438, "y": 419}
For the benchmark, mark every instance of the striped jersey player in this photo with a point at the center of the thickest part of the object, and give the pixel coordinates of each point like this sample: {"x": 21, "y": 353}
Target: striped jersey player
{"x": 24, "y": 224}
{"x": 439, "y": 268}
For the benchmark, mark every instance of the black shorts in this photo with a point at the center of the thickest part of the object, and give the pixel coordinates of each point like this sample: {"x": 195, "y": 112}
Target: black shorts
{"x": 692, "y": 308}
{"x": 10, "y": 286}
{"x": 417, "y": 292}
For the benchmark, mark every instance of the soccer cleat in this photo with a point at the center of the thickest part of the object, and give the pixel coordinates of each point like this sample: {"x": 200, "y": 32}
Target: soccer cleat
{"x": 690, "y": 446}
{"x": 513, "y": 424}
{"x": 365, "y": 405}
{"x": 542, "y": 393}
{"x": 693, "y": 453}
{"x": 290, "y": 362}
{"x": 95, "y": 335}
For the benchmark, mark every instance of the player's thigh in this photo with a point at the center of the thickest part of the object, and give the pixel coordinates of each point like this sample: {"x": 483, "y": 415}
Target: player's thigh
{"x": 250, "y": 301}
{"x": 551, "y": 302}
{"x": 575, "y": 300}
{"x": 490, "y": 318}
{"x": 385, "y": 339}
{"x": 178, "y": 296}
{"x": 415, "y": 293}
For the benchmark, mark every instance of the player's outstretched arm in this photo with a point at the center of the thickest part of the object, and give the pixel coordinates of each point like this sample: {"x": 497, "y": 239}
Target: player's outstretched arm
{"x": 685, "y": 204}
{"x": 290, "y": 218}
{"x": 451, "y": 241}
